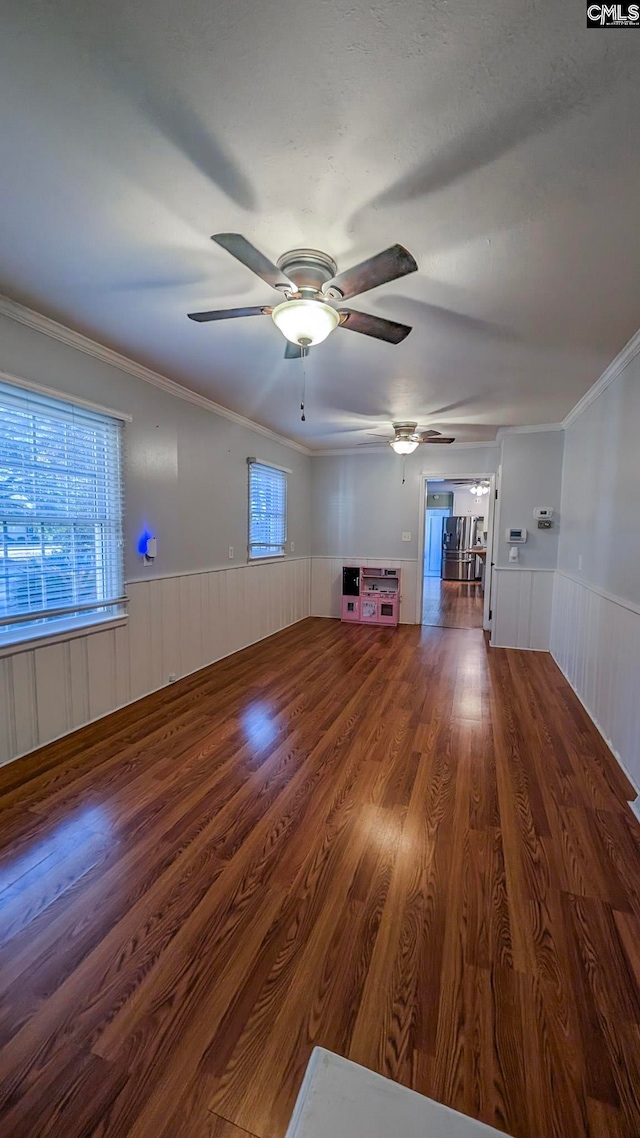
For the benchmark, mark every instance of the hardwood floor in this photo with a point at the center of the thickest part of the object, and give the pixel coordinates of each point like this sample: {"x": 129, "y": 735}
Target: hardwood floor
{"x": 399, "y": 844}
{"x": 452, "y": 604}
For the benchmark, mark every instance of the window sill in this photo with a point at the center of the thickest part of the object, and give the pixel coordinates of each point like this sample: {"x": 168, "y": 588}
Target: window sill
{"x": 67, "y": 630}
{"x": 269, "y": 557}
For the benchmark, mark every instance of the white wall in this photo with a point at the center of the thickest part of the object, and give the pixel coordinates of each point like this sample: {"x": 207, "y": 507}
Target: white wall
{"x": 596, "y": 615}
{"x": 600, "y": 503}
{"x": 185, "y": 482}
{"x": 360, "y": 509}
{"x": 185, "y": 468}
{"x": 522, "y": 594}
{"x": 531, "y": 476}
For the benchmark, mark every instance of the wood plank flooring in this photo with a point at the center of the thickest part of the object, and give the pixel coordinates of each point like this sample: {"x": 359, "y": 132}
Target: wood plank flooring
{"x": 452, "y": 604}
{"x": 399, "y": 844}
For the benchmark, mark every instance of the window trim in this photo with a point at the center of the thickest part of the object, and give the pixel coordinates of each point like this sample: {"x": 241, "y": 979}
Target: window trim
{"x": 67, "y": 623}
{"x": 63, "y": 396}
{"x": 63, "y": 632}
{"x": 252, "y": 559}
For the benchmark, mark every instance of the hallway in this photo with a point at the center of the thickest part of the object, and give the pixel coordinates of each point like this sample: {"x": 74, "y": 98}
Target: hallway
{"x": 452, "y": 604}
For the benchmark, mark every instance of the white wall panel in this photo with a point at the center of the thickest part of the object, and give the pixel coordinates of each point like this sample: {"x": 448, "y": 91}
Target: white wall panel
{"x": 101, "y": 673}
{"x": 21, "y": 711}
{"x": 176, "y": 625}
{"x": 521, "y": 601}
{"x": 326, "y": 584}
{"x": 53, "y": 691}
{"x": 595, "y": 640}
{"x": 7, "y": 721}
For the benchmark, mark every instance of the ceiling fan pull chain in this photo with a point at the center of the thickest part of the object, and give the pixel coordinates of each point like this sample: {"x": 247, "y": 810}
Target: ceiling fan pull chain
{"x": 404, "y": 463}
{"x": 303, "y": 356}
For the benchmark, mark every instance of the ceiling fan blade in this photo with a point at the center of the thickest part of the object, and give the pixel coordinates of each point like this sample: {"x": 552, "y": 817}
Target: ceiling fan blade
{"x": 441, "y": 441}
{"x": 394, "y": 262}
{"x": 227, "y": 314}
{"x": 247, "y": 253}
{"x": 430, "y": 435}
{"x": 293, "y": 351}
{"x": 377, "y": 326}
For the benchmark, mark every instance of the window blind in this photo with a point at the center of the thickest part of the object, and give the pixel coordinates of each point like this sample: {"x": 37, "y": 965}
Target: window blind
{"x": 267, "y": 510}
{"x": 61, "y": 550}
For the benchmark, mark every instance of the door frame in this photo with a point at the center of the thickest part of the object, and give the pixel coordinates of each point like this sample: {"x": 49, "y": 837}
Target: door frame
{"x": 492, "y": 479}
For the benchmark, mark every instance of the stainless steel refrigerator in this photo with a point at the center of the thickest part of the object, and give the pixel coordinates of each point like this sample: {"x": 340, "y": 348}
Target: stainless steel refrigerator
{"x": 459, "y": 535}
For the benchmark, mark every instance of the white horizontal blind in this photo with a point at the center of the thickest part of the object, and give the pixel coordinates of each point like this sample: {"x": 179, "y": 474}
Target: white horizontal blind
{"x": 267, "y": 510}
{"x": 61, "y": 552}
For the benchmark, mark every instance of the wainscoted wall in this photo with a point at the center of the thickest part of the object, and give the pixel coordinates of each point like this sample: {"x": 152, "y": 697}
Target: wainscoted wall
{"x": 326, "y": 584}
{"x": 176, "y": 625}
{"x": 521, "y": 603}
{"x": 595, "y": 640}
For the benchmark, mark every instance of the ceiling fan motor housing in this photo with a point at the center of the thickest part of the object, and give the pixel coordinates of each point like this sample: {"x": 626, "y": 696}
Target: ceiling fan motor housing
{"x": 309, "y": 269}
{"x": 406, "y": 431}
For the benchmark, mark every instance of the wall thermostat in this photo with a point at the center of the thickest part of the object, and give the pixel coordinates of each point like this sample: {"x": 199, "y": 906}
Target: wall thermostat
{"x": 543, "y": 516}
{"x": 515, "y": 535}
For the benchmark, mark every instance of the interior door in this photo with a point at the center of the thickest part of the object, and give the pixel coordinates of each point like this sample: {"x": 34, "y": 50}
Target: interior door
{"x": 433, "y": 542}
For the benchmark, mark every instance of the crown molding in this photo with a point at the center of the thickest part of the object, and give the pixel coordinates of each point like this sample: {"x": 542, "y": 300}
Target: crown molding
{"x": 532, "y": 429}
{"x": 621, "y": 361}
{"x": 49, "y": 327}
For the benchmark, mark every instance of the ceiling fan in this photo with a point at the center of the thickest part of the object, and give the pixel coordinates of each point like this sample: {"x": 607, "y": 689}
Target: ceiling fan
{"x": 309, "y": 281}
{"x": 406, "y": 437}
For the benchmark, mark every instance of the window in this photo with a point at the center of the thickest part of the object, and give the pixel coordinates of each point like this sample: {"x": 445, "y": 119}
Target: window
{"x": 60, "y": 515}
{"x": 267, "y": 510}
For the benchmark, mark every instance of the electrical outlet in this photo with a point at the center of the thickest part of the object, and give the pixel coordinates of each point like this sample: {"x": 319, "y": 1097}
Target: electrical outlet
{"x": 172, "y": 678}
{"x": 406, "y": 536}
{"x": 293, "y": 546}
{"x": 230, "y": 553}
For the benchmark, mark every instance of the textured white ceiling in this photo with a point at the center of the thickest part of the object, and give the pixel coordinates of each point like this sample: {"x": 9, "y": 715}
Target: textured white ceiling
{"x": 497, "y": 141}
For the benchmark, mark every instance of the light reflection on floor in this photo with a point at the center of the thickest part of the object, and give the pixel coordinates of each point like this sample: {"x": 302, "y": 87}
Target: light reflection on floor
{"x": 75, "y": 832}
{"x": 260, "y": 729}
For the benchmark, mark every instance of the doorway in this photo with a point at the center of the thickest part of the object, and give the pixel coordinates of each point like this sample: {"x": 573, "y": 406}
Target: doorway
{"x": 457, "y": 520}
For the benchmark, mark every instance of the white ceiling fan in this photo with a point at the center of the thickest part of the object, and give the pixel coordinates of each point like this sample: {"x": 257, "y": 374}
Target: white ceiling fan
{"x": 406, "y": 438}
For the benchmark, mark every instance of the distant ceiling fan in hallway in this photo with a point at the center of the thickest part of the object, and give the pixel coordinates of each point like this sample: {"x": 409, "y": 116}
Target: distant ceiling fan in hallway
{"x": 309, "y": 281}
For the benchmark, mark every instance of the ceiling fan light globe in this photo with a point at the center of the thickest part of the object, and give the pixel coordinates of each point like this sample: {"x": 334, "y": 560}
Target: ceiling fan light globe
{"x": 305, "y": 322}
{"x": 404, "y": 446}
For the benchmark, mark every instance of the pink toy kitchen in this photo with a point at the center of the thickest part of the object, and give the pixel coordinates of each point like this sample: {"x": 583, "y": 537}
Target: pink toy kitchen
{"x": 370, "y": 596}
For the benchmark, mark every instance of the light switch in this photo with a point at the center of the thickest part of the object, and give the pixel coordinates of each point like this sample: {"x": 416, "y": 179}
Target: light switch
{"x": 230, "y": 553}
{"x": 293, "y": 546}
{"x": 406, "y": 536}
